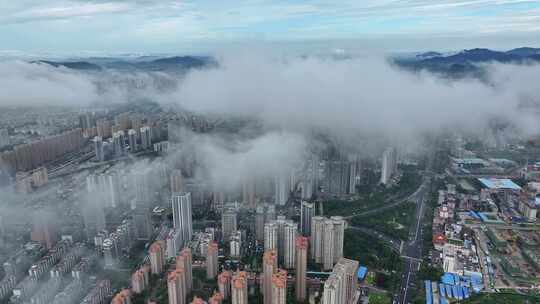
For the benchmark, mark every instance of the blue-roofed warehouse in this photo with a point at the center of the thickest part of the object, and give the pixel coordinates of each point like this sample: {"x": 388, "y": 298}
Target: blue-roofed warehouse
{"x": 499, "y": 184}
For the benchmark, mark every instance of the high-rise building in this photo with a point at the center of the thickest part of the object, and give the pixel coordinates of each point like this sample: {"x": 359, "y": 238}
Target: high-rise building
{"x": 212, "y": 265}
{"x": 337, "y": 173}
{"x": 317, "y": 229}
{"x": 29, "y": 156}
{"x": 301, "y": 267}
{"x": 281, "y": 191}
{"x": 103, "y": 127}
{"x": 140, "y": 279}
{"x": 307, "y": 211}
{"x": 122, "y": 121}
{"x": 4, "y": 137}
{"x": 157, "y": 260}
{"x": 340, "y": 286}
{"x": 228, "y": 224}
{"x": 142, "y": 223}
{"x": 176, "y": 287}
{"x": 236, "y": 245}
{"x": 279, "y": 287}
{"x": 182, "y": 215}
{"x": 248, "y": 193}
{"x": 110, "y": 254}
{"x": 328, "y": 245}
{"x": 177, "y": 181}
{"x": 289, "y": 245}
{"x": 112, "y": 189}
{"x": 185, "y": 261}
{"x": 146, "y": 138}
{"x": 333, "y": 291}
{"x": 39, "y": 177}
{"x": 239, "y": 288}
{"x": 142, "y": 183}
{"x": 86, "y": 120}
{"x": 270, "y": 260}
{"x": 119, "y": 145}
{"x": 174, "y": 243}
{"x": 355, "y": 171}
{"x": 310, "y": 181}
{"x": 224, "y": 284}
{"x": 132, "y": 140}
{"x": 135, "y": 122}
{"x": 270, "y": 213}
{"x": 259, "y": 223}
{"x": 327, "y": 240}
{"x": 23, "y": 183}
{"x": 388, "y": 165}
{"x": 339, "y": 231}
{"x": 282, "y": 222}
{"x": 270, "y": 236}
{"x": 99, "y": 149}
{"x": 44, "y": 229}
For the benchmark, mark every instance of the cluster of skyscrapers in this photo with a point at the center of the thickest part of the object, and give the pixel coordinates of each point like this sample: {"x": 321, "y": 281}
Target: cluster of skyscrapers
{"x": 280, "y": 235}
{"x": 327, "y": 240}
{"x": 119, "y": 143}
{"x": 334, "y": 173}
{"x": 35, "y": 154}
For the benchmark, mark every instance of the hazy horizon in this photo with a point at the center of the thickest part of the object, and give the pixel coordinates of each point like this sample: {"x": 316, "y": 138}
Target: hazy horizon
{"x": 75, "y": 27}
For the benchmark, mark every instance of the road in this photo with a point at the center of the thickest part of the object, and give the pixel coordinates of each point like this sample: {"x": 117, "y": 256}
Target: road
{"x": 394, "y": 244}
{"x": 412, "y": 249}
{"x": 390, "y": 205}
{"x": 482, "y": 249}
{"x": 527, "y": 227}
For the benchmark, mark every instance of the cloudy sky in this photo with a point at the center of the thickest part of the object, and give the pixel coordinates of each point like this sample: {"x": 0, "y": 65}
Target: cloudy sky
{"x": 163, "y": 26}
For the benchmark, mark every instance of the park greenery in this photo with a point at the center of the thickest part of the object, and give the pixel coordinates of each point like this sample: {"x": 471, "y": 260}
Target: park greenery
{"x": 430, "y": 273}
{"x": 379, "y": 298}
{"x": 375, "y": 196}
{"x": 393, "y": 222}
{"x": 374, "y": 254}
{"x": 502, "y": 298}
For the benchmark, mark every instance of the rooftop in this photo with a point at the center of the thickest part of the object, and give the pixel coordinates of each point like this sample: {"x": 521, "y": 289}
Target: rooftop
{"x": 499, "y": 183}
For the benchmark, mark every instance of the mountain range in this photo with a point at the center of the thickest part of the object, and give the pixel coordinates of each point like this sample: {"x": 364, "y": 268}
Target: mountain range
{"x": 172, "y": 64}
{"x": 466, "y": 62}
{"x": 454, "y": 65}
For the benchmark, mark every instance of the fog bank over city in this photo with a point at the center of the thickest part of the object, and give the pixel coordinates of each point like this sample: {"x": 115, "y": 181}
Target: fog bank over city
{"x": 229, "y": 162}
{"x": 271, "y": 152}
{"x": 367, "y": 102}
{"x": 366, "y": 95}
{"x": 363, "y": 105}
{"x": 359, "y": 96}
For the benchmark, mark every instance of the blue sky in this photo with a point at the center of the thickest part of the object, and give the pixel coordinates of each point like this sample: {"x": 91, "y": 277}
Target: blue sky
{"x": 163, "y": 26}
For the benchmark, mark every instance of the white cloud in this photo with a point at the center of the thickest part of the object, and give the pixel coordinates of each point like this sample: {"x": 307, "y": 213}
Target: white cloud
{"x": 174, "y": 23}
{"x": 354, "y": 97}
{"x": 25, "y": 84}
{"x": 65, "y": 11}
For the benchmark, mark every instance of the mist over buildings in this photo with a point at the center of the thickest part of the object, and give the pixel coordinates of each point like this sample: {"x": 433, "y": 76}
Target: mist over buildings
{"x": 363, "y": 104}
{"x": 363, "y": 96}
{"x": 349, "y": 96}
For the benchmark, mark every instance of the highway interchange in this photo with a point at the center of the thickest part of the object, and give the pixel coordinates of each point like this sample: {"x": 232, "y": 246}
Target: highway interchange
{"x": 411, "y": 251}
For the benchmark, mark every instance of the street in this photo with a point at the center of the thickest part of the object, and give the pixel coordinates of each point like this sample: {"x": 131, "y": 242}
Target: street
{"x": 412, "y": 249}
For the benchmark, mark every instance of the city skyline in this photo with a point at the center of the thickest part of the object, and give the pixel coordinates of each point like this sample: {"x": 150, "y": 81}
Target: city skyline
{"x": 269, "y": 152}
